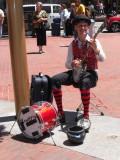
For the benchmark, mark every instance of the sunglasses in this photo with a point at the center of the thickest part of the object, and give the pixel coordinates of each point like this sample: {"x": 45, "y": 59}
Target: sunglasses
{"x": 37, "y": 6}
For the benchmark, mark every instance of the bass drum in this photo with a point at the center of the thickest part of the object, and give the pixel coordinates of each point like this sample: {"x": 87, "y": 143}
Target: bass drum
{"x": 35, "y": 120}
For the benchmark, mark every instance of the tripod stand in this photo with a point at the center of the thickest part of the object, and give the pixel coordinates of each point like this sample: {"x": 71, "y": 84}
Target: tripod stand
{"x": 80, "y": 110}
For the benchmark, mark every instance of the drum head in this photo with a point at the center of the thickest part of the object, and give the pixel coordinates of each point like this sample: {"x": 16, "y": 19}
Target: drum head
{"x": 29, "y": 123}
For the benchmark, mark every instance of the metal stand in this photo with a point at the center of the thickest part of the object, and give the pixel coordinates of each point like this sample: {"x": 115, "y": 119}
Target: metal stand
{"x": 52, "y": 137}
{"x": 13, "y": 125}
{"x": 80, "y": 109}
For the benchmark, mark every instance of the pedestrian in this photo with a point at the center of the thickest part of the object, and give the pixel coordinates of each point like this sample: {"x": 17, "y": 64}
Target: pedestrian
{"x": 92, "y": 10}
{"x": 39, "y": 17}
{"x": 101, "y": 8}
{"x": 64, "y": 15}
{"x": 98, "y": 7}
{"x": 72, "y": 15}
{"x": 1, "y": 21}
{"x": 76, "y": 51}
{"x": 79, "y": 9}
{"x": 114, "y": 6}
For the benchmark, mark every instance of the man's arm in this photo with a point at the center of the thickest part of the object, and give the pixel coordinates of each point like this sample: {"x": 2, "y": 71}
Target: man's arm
{"x": 70, "y": 57}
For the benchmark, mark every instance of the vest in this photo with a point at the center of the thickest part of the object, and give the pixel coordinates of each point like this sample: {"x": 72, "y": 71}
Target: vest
{"x": 91, "y": 60}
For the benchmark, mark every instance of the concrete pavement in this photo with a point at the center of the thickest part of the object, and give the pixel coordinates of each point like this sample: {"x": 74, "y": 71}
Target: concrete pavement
{"x": 102, "y": 142}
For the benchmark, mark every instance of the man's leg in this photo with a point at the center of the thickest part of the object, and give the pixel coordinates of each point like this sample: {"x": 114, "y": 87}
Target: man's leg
{"x": 58, "y": 80}
{"x": 85, "y": 96}
{"x": 88, "y": 81}
{"x": 58, "y": 98}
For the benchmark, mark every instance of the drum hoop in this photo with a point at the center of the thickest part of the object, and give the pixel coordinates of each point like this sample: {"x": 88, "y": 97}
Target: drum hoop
{"x": 19, "y": 124}
{"x": 55, "y": 114}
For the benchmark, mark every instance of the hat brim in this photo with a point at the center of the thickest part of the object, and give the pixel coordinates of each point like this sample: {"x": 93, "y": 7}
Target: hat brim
{"x": 76, "y": 21}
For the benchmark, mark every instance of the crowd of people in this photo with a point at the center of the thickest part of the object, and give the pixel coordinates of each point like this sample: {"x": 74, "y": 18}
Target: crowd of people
{"x": 77, "y": 8}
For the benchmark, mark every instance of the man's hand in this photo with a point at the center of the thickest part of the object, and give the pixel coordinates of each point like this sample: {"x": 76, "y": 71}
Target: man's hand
{"x": 93, "y": 45}
{"x": 76, "y": 63}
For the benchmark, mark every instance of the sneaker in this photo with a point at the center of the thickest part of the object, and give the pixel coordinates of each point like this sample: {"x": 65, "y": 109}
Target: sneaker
{"x": 85, "y": 123}
{"x": 40, "y": 51}
{"x": 61, "y": 118}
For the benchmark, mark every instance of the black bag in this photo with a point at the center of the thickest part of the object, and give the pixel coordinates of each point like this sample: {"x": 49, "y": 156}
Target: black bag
{"x": 41, "y": 89}
{"x": 55, "y": 29}
{"x": 46, "y": 25}
{"x": 56, "y": 20}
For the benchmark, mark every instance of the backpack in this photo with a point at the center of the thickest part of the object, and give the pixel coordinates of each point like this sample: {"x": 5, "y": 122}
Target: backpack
{"x": 87, "y": 12}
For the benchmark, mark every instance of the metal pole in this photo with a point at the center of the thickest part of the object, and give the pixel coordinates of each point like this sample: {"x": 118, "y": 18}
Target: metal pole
{"x": 18, "y": 53}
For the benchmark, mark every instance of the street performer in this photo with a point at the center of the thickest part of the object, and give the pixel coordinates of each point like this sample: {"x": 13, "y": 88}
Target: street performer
{"x": 76, "y": 51}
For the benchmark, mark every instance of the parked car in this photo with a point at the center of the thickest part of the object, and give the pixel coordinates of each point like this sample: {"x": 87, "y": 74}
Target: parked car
{"x": 112, "y": 23}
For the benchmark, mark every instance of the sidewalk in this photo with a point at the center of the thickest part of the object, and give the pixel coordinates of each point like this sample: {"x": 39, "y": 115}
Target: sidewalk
{"x": 105, "y": 96}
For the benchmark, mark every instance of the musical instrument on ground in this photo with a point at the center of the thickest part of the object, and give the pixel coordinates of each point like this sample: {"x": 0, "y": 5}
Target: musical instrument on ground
{"x": 37, "y": 119}
{"x": 80, "y": 72}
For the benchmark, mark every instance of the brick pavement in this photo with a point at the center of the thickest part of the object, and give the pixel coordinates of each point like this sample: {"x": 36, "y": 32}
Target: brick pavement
{"x": 20, "y": 148}
{"x": 105, "y": 95}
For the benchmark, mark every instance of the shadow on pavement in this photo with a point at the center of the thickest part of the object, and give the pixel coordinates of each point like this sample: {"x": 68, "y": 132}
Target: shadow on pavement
{"x": 2, "y": 132}
{"x": 33, "y": 53}
{"x": 70, "y": 121}
{"x": 22, "y": 138}
{"x": 7, "y": 119}
{"x": 68, "y": 143}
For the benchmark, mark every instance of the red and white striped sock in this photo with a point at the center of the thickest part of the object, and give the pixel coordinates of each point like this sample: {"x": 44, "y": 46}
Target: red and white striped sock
{"x": 58, "y": 98}
{"x": 85, "y": 96}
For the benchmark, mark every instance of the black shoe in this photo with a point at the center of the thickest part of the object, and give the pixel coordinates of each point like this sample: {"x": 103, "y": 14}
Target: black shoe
{"x": 62, "y": 118}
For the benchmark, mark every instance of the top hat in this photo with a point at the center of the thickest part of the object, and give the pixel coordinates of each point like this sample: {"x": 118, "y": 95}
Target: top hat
{"x": 81, "y": 18}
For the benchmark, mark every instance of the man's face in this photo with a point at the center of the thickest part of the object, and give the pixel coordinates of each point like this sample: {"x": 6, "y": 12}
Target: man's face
{"x": 82, "y": 28}
{"x": 77, "y": 3}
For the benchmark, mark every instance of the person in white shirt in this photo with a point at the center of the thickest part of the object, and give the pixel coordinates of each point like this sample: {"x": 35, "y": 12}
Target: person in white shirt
{"x": 1, "y": 21}
{"x": 64, "y": 15}
{"x": 76, "y": 51}
{"x": 101, "y": 8}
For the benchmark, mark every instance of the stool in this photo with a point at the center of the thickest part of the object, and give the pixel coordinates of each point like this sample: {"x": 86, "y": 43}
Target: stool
{"x": 80, "y": 109}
